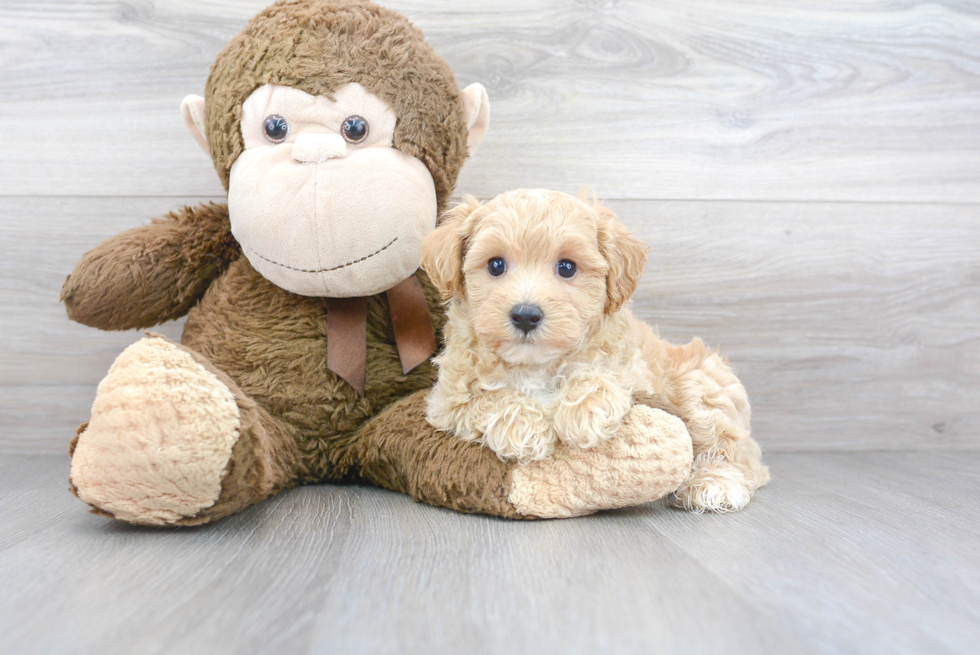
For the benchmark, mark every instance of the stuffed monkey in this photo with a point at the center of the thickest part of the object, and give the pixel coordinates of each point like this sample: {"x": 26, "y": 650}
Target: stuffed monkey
{"x": 338, "y": 134}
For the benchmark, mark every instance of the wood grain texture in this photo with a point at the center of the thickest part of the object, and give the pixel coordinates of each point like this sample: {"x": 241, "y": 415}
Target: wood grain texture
{"x": 842, "y": 553}
{"x": 764, "y": 99}
{"x": 853, "y": 326}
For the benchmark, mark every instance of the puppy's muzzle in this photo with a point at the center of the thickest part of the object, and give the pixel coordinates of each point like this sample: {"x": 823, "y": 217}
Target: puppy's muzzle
{"x": 526, "y": 317}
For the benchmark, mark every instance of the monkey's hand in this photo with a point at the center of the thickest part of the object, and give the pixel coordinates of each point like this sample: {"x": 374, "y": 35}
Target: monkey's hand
{"x": 591, "y": 409}
{"x": 649, "y": 457}
{"x": 153, "y": 273}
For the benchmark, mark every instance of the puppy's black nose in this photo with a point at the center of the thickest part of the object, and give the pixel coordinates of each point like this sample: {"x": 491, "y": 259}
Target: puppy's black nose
{"x": 526, "y": 317}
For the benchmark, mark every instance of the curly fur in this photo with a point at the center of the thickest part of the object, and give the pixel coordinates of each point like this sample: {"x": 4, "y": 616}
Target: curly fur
{"x": 574, "y": 378}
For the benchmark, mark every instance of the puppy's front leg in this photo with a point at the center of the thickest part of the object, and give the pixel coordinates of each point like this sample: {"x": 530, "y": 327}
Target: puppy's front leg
{"x": 512, "y": 425}
{"x": 591, "y": 408}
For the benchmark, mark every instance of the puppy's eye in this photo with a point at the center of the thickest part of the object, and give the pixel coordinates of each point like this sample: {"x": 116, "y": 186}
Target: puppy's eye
{"x": 566, "y": 268}
{"x": 276, "y": 128}
{"x": 496, "y": 266}
{"x": 354, "y": 129}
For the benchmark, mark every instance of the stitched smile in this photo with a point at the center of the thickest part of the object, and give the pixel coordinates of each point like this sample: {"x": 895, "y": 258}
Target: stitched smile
{"x": 326, "y": 270}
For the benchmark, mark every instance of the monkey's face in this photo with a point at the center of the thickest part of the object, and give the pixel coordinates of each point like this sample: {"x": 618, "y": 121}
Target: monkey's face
{"x": 320, "y": 200}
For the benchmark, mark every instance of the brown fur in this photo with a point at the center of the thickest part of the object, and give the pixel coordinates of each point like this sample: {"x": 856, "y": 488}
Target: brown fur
{"x": 318, "y": 47}
{"x": 263, "y": 460}
{"x": 300, "y": 423}
{"x": 398, "y": 450}
{"x": 273, "y": 344}
{"x": 153, "y": 273}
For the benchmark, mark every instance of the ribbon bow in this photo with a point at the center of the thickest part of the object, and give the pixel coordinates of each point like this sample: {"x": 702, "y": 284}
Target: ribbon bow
{"x": 415, "y": 337}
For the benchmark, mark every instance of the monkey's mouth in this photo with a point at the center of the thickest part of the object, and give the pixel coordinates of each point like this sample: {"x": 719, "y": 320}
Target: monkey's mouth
{"x": 328, "y": 269}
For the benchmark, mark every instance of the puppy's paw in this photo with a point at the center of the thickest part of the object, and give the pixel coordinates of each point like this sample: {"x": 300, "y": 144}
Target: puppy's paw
{"x": 591, "y": 411}
{"x": 519, "y": 431}
{"x": 714, "y": 486}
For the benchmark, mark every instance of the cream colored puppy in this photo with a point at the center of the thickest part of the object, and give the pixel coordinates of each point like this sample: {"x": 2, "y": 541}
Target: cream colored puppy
{"x": 540, "y": 347}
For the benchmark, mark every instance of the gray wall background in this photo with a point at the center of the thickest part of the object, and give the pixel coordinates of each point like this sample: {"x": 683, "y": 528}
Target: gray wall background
{"x": 806, "y": 172}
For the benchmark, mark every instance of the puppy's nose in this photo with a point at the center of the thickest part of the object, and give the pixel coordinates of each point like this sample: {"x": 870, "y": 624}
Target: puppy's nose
{"x": 526, "y": 317}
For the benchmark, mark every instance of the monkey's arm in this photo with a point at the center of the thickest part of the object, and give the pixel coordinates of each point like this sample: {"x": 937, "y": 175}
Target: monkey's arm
{"x": 152, "y": 273}
{"x": 399, "y": 450}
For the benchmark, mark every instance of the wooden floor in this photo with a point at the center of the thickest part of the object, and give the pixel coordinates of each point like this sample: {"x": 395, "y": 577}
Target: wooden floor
{"x": 843, "y": 553}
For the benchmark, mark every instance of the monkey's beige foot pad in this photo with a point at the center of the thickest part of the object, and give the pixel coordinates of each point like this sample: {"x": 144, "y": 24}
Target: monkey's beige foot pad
{"x": 160, "y": 437}
{"x": 649, "y": 457}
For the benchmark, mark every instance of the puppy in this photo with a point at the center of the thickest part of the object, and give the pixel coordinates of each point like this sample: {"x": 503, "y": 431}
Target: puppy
{"x": 540, "y": 346}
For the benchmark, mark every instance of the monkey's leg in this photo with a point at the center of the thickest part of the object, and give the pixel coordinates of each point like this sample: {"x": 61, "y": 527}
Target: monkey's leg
{"x": 703, "y": 390}
{"x": 398, "y": 450}
{"x": 173, "y": 441}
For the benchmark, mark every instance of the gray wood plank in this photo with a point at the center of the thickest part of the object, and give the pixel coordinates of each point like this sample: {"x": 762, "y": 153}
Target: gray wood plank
{"x": 41, "y": 239}
{"x": 764, "y": 99}
{"x": 852, "y": 325}
{"x": 842, "y": 553}
{"x": 34, "y": 491}
{"x": 877, "y": 550}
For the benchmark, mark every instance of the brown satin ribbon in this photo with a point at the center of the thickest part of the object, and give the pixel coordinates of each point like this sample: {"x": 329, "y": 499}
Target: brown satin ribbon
{"x": 347, "y": 332}
{"x": 347, "y": 340}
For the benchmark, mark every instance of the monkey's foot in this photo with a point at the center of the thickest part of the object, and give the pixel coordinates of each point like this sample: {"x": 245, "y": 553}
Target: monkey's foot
{"x": 160, "y": 440}
{"x": 648, "y": 458}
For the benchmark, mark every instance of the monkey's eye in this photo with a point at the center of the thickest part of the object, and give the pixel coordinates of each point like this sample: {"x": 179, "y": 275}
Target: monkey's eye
{"x": 496, "y": 266}
{"x": 354, "y": 129}
{"x": 566, "y": 268}
{"x": 276, "y": 128}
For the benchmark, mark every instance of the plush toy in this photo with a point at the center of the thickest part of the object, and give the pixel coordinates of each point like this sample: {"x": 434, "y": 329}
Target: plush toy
{"x": 338, "y": 134}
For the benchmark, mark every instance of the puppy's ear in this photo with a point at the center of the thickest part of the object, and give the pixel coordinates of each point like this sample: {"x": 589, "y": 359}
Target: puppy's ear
{"x": 626, "y": 255}
{"x": 442, "y": 250}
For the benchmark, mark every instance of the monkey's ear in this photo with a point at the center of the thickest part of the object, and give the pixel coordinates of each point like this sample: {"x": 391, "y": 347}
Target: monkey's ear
{"x": 626, "y": 255}
{"x": 442, "y": 250}
{"x": 476, "y": 110}
{"x": 192, "y": 109}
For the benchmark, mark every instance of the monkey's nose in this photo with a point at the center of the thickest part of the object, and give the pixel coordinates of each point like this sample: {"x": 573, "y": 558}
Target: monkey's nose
{"x": 312, "y": 148}
{"x": 526, "y": 317}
